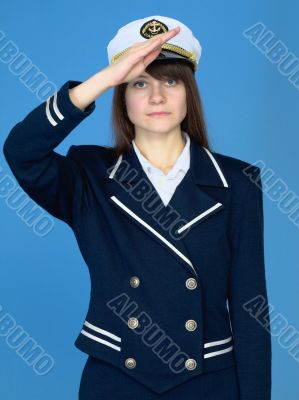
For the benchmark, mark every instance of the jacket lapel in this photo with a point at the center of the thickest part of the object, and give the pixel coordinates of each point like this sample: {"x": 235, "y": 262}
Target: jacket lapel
{"x": 191, "y": 200}
{"x": 130, "y": 190}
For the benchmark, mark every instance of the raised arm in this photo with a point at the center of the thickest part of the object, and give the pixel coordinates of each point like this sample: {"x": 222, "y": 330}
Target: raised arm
{"x": 54, "y": 181}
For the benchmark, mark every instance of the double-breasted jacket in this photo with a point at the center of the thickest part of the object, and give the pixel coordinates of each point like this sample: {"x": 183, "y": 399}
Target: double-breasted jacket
{"x": 172, "y": 287}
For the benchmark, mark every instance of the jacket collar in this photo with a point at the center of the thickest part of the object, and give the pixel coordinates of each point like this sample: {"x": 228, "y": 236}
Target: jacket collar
{"x": 130, "y": 190}
{"x": 205, "y": 168}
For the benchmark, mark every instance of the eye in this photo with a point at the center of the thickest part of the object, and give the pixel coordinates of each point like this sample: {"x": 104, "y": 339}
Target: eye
{"x": 136, "y": 83}
{"x": 171, "y": 80}
{"x": 167, "y": 80}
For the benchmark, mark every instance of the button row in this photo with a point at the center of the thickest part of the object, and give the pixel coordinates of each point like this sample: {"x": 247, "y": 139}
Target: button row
{"x": 190, "y": 282}
{"x": 190, "y": 364}
{"x": 190, "y": 325}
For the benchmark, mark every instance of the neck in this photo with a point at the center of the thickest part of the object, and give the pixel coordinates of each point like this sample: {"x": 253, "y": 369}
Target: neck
{"x": 162, "y": 150}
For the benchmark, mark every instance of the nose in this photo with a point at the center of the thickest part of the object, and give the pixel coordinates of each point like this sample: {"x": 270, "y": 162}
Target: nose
{"x": 157, "y": 93}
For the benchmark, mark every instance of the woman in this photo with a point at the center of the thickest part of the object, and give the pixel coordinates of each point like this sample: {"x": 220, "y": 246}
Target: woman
{"x": 172, "y": 233}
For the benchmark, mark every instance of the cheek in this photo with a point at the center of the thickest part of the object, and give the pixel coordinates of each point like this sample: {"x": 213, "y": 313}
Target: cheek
{"x": 180, "y": 103}
{"x": 134, "y": 105}
{"x": 135, "y": 112}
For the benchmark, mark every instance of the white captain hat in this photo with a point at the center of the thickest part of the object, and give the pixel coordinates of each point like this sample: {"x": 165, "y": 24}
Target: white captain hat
{"x": 183, "y": 45}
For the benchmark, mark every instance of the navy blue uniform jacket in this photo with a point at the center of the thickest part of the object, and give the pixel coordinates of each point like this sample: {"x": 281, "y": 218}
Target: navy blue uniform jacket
{"x": 173, "y": 288}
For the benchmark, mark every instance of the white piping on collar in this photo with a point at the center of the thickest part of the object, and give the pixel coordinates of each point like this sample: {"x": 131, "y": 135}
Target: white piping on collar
{"x": 217, "y": 167}
{"x": 162, "y": 238}
{"x": 200, "y": 216}
{"x": 112, "y": 173}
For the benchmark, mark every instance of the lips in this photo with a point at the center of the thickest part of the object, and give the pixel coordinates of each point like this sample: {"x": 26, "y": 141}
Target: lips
{"x": 158, "y": 113}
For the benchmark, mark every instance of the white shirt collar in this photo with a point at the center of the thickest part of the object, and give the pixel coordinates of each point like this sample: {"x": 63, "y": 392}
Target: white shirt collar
{"x": 182, "y": 162}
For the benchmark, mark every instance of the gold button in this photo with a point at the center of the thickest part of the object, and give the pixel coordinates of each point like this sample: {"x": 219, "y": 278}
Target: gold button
{"x": 191, "y": 325}
{"x": 190, "y": 364}
{"x": 134, "y": 281}
{"x": 130, "y": 363}
{"x": 133, "y": 323}
{"x": 191, "y": 283}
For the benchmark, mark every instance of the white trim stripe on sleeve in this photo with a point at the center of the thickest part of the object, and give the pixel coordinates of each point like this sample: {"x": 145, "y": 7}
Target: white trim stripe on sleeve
{"x": 217, "y": 353}
{"x": 97, "y": 339}
{"x": 48, "y": 113}
{"x": 55, "y": 107}
{"x": 218, "y": 342}
{"x": 102, "y": 331}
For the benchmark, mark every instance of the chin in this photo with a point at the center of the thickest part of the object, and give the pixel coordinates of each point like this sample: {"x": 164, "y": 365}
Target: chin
{"x": 159, "y": 130}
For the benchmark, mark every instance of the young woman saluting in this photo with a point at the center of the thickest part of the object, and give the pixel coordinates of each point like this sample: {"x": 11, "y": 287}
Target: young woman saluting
{"x": 172, "y": 232}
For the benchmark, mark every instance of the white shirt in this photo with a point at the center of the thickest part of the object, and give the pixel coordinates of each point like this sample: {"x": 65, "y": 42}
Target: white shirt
{"x": 166, "y": 184}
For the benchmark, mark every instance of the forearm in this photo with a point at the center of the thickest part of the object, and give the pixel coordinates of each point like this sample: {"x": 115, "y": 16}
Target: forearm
{"x": 88, "y": 91}
{"x": 52, "y": 180}
{"x": 44, "y": 127}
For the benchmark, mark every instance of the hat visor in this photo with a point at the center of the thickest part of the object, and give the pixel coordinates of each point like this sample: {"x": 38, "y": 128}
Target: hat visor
{"x": 169, "y": 54}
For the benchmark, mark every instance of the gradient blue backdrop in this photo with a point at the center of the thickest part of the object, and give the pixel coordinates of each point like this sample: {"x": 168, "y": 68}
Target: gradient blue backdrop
{"x": 251, "y": 113}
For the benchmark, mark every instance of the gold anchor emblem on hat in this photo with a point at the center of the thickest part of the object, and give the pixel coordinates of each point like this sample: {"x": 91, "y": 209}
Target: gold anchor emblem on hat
{"x": 152, "y": 28}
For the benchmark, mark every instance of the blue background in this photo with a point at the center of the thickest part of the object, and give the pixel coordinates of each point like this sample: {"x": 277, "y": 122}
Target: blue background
{"x": 251, "y": 113}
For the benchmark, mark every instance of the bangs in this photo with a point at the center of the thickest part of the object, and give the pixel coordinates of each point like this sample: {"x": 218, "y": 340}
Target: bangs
{"x": 165, "y": 69}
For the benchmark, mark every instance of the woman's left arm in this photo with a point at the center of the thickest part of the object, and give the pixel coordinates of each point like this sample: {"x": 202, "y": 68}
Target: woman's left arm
{"x": 248, "y": 300}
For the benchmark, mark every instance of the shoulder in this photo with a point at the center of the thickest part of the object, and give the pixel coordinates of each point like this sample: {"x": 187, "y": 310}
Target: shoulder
{"x": 244, "y": 178}
{"x": 94, "y": 156}
{"x": 91, "y": 151}
{"x": 239, "y": 173}
{"x": 245, "y": 185}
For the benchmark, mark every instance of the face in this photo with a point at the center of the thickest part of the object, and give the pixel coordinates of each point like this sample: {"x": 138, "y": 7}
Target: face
{"x": 145, "y": 95}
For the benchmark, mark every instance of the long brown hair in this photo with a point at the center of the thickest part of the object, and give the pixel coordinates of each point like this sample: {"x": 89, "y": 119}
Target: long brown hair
{"x": 194, "y": 123}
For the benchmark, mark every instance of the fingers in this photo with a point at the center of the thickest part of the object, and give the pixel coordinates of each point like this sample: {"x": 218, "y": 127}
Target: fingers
{"x": 142, "y": 49}
{"x": 155, "y": 41}
{"x": 160, "y": 38}
{"x": 164, "y": 36}
{"x": 150, "y": 57}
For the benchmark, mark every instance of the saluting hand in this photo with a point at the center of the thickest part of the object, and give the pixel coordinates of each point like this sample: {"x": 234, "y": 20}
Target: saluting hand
{"x": 137, "y": 57}
{"x": 127, "y": 67}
